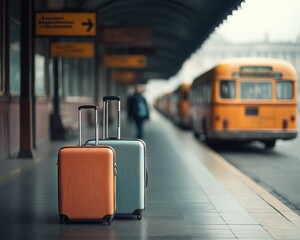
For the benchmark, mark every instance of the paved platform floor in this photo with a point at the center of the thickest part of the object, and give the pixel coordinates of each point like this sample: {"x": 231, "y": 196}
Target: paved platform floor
{"x": 192, "y": 194}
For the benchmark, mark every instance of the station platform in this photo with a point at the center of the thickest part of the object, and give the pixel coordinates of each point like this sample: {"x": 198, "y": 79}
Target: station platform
{"x": 192, "y": 193}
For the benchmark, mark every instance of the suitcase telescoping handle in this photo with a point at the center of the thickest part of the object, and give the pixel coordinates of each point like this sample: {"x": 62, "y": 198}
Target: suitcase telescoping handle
{"x": 106, "y": 99}
{"x": 96, "y": 121}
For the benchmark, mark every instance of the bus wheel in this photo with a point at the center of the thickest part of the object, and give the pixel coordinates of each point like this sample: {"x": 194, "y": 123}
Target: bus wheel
{"x": 270, "y": 144}
{"x": 204, "y": 133}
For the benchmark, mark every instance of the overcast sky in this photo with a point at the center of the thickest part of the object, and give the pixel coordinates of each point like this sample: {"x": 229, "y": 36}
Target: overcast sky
{"x": 280, "y": 19}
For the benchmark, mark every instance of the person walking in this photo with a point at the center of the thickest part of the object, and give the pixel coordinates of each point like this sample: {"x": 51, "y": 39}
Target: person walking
{"x": 138, "y": 110}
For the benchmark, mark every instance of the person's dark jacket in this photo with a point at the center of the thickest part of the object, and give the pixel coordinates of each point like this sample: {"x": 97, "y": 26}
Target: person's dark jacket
{"x": 138, "y": 107}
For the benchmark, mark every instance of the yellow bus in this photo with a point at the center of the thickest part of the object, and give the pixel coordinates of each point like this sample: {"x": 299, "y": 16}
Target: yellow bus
{"x": 181, "y": 105}
{"x": 164, "y": 104}
{"x": 246, "y": 99}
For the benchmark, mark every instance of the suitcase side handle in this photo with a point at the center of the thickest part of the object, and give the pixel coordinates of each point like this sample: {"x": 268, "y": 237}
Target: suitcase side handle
{"x": 106, "y": 99}
{"x": 96, "y": 121}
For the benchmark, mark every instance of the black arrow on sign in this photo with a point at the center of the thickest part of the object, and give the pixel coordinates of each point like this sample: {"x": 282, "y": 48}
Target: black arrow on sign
{"x": 89, "y": 23}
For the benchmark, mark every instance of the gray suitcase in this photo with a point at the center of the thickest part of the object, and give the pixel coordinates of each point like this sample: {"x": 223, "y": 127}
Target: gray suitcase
{"x": 131, "y": 163}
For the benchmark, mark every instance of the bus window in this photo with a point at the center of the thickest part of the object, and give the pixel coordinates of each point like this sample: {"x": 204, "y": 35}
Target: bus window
{"x": 256, "y": 90}
{"x": 284, "y": 90}
{"x": 227, "y": 89}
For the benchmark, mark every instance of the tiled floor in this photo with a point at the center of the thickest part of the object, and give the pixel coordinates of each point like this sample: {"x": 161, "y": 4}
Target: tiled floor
{"x": 192, "y": 194}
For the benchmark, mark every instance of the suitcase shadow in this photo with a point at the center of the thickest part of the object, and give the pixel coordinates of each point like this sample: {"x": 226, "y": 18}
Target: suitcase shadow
{"x": 126, "y": 217}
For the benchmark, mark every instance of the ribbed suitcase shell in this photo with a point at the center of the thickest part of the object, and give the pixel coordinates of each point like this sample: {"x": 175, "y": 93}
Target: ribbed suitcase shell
{"x": 86, "y": 183}
{"x": 131, "y": 175}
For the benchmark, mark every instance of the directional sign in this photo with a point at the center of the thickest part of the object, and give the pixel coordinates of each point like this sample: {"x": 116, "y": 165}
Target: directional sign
{"x": 124, "y": 61}
{"x": 124, "y": 76}
{"x": 65, "y": 24}
{"x": 72, "y": 49}
{"x": 129, "y": 36}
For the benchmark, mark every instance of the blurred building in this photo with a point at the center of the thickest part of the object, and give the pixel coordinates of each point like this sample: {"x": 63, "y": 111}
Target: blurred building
{"x": 217, "y": 49}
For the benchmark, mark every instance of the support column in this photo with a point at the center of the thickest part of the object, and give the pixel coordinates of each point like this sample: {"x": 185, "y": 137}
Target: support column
{"x": 57, "y": 128}
{"x": 56, "y": 100}
{"x": 26, "y": 129}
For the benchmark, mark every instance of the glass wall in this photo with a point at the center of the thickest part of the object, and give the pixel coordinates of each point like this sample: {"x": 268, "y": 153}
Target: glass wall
{"x": 40, "y": 83}
{"x": 77, "y": 77}
{"x": 14, "y": 57}
{"x": 1, "y": 47}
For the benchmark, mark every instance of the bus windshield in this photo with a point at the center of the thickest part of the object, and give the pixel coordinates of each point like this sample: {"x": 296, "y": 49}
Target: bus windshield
{"x": 256, "y": 90}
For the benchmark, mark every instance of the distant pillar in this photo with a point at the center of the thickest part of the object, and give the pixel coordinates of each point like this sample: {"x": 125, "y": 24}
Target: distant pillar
{"x": 57, "y": 129}
{"x": 56, "y": 99}
{"x": 26, "y": 129}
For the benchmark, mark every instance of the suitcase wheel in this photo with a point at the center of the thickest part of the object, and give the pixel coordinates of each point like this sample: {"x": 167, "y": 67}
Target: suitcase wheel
{"x": 63, "y": 219}
{"x": 109, "y": 219}
{"x": 138, "y": 213}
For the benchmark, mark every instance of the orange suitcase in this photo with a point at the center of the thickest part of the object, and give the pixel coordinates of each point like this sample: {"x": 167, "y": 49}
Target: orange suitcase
{"x": 86, "y": 180}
